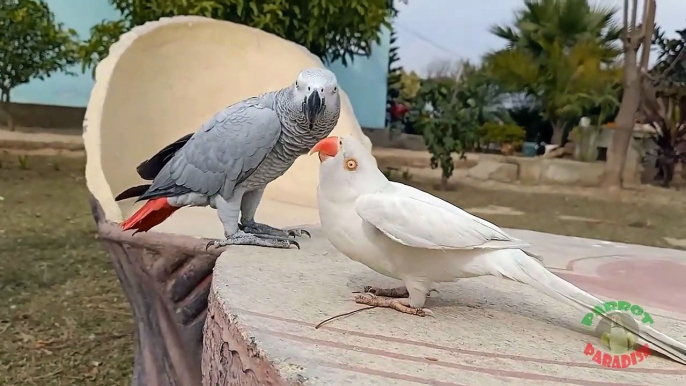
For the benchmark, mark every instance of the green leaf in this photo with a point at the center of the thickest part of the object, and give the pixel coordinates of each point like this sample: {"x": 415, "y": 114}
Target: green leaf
{"x": 34, "y": 45}
{"x": 330, "y": 29}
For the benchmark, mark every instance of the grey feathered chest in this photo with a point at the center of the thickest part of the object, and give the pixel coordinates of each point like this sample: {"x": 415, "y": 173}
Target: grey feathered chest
{"x": 283, "y": 155}
{"x": 297, "y": 138}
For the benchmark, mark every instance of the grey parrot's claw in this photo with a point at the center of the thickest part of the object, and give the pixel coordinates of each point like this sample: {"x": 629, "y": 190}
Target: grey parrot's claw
{"x": 210, "y": 244}
{"x": 242, "y": 238}
{"x": 260, "y": 230}
{"x": 298, "y": 233}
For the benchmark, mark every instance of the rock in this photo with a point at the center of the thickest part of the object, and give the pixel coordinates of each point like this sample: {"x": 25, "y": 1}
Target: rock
{"x": 681, "y": 243}
{"x": 555, "y": 153}
{"x": 569, "y": 148}
{"x": 495, "y": 171}
{"x": 530, "y": 170}
{"x": 568, "y": 172}
{"x": 507, "y": 149}
{"x": 580, "y": 219}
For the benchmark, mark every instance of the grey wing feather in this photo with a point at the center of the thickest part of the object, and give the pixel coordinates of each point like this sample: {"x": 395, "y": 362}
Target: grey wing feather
{"x": 223, "y": 153}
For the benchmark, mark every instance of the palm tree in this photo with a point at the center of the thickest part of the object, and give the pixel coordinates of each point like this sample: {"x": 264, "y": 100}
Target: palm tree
{"x": 559, "y": 79}
{"x": 556, "y": 50}
{"x": 566, "y": 21}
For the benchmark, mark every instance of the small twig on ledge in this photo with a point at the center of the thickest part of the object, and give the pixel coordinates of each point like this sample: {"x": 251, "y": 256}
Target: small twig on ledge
{"x": 342, "y": 315}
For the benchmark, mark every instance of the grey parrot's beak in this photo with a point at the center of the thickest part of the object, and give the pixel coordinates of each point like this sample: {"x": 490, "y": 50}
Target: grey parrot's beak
{"x": 314, "y": 105}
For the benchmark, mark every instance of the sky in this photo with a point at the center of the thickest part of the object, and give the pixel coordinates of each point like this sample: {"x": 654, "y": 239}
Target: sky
{"x": 429, "y": 30}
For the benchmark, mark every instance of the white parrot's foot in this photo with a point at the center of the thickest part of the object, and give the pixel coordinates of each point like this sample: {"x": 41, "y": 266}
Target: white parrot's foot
{"x": 242, "y": 238}
{"x": 398, "y": 292}
{"x": 402, "y": 305}
{"x": 256, "y": 228}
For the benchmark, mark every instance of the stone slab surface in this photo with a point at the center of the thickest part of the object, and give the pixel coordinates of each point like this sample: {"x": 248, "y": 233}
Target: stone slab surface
{"x": 486, "y": 331}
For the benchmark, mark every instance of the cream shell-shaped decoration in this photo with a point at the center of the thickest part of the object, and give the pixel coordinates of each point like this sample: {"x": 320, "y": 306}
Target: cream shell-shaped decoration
{"x": 163, "y": 80}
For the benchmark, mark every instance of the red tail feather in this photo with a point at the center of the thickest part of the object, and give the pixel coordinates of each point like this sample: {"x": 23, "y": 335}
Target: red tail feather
{"x": 149, "y": 215}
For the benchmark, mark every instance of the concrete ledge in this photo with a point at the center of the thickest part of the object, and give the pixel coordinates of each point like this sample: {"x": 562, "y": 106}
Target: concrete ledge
{"x": 537, "y": 171}
{"x": 45, "y": 116}
{"x": 495, "y": 167}
{"x": 486, "y": 331}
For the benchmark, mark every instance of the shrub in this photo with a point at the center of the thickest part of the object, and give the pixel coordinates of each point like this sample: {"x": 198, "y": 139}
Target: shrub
{"x": 494, "y": 132}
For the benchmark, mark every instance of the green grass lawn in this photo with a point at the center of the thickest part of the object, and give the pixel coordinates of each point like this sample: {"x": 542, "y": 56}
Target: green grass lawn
{"x": 65, "y": 321}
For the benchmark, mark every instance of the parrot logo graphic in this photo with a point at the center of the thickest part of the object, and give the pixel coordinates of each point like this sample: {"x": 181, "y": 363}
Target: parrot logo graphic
{"x": 618, "y": 339}
{"x": 618, "y": 347}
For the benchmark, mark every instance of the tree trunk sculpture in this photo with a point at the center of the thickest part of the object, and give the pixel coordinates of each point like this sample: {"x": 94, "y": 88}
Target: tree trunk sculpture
{"x": 166, "y": 279}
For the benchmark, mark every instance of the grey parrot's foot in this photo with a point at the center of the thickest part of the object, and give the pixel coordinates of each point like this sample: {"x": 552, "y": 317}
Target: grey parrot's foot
{"x": 401, "y": 305}
{"x": 264, "y": 229}
{"x": 242, "y": 238}
{"x": 398, "y": 292}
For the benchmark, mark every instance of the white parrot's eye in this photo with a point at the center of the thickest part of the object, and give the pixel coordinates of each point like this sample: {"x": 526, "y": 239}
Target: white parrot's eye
{"x": 297, "y": 86}
{"x": 351, "y": 164}
{"x": 335, "y": 90}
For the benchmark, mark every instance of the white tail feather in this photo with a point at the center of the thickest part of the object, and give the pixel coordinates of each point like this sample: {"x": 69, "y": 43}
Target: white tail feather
{"x": 517, "y": 265}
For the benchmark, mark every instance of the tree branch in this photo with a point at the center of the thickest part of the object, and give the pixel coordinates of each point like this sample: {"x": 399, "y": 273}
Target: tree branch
{"x": 645, "y": 11}
{"x": 647, "y": 30}
{"x": 634, "y": 11}
{"x": 625, "y": 20}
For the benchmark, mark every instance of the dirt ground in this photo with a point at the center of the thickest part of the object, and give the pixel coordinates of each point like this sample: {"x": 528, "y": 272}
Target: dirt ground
{"x": 64, "y": 320}
{"x": 63, "y": 317}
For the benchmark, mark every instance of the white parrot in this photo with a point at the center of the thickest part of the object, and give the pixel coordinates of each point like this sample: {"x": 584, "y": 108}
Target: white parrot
{"x": 407, "y": 234}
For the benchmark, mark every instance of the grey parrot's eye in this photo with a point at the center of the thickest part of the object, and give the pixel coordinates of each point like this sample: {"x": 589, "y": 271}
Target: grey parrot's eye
{"x": 351, "y": 164}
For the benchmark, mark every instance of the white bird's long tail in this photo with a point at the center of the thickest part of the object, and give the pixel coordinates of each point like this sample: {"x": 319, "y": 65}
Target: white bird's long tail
{"x": 520, "y": 266}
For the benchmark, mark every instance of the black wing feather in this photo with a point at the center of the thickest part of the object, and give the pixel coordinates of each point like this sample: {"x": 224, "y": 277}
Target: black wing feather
{"x": 149, "y": 169}
{"x": 132, "y": 192}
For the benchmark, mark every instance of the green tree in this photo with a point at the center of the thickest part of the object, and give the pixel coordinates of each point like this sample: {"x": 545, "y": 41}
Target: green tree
{"x": 393, "y": 85}
{"x": 449, "y": 125}
{"x": 669, "y": 72}
{"x": 476, "y": 85}
{"x": 32, "y": 46}
{"x": 331, "y": 29}
{"x": 664, "y": 103}
{"x": 562, "y": 80}
{"x": 449, "y": 111}
{"x": 565, "y": 22}
{"x": 394, "y": 70}
{"x": 548, "y": 45}
{"x": 410, "y": 84}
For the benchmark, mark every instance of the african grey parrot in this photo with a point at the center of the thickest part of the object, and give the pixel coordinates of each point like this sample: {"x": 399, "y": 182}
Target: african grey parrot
{"x": 229, "y": 161}
{"x": 407, "y": 234}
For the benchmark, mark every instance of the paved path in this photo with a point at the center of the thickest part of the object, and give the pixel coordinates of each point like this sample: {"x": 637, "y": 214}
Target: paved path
{"x": 487, "y": 331}
{"x": 65, "y": 136}
{"x": 33, "y": 142}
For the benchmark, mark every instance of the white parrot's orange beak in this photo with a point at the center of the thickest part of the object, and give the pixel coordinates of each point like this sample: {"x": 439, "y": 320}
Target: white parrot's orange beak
{"x": 327, "y": 148}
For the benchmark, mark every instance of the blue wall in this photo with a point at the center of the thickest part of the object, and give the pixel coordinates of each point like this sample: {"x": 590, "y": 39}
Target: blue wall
{"x": 364, "y": 80}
